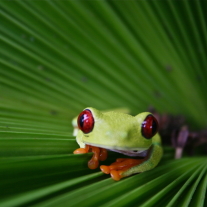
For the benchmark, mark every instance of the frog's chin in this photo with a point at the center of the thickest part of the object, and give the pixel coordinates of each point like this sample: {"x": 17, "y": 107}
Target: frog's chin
{"x": 135, "y": 152}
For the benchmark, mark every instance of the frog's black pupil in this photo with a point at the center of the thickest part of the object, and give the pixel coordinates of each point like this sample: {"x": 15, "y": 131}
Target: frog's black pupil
{"x": 154, "y": 127}
{"x": 81, "y": 120}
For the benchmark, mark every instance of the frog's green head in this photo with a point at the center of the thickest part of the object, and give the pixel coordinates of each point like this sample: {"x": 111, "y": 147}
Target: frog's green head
{"x": 116, "y": 131}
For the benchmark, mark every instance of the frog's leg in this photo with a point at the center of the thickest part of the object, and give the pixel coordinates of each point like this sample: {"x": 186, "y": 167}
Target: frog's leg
{"x": 126, "y": 166}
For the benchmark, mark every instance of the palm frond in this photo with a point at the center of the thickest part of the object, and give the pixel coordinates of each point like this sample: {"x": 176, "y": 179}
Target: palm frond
{"x": 58, "y": 57}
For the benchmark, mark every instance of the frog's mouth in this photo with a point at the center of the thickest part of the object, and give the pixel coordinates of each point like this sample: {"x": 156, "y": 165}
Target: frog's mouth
{"x": 136, "y": 152}
{"x": 132, "y": 153}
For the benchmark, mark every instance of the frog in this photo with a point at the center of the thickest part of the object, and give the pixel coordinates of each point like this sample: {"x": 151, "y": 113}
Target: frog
{"x": 136, "y": 137}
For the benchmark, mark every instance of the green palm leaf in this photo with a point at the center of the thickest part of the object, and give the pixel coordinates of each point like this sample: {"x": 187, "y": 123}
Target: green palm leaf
{"x": 58, "y": 57}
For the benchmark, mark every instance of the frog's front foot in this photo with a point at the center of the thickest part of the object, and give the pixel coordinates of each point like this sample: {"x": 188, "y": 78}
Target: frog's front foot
{"x": 99, "y": 154}
{"x": 121, "y": 165}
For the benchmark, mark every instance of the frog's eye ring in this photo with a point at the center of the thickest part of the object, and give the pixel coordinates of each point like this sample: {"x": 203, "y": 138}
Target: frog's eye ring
{"x": 85, "y": 121}
{"x": 149, "y": 126}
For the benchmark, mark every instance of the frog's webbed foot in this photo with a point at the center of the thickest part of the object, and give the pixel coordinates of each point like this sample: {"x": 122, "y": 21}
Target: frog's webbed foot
{"x": 99, "y": 154}
{"x": 121, "y": 165}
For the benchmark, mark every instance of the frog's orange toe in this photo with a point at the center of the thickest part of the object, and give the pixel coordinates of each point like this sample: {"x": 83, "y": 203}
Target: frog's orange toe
{"x": 105, "y": 169}
{"x": 80, "y": 151}
{"x": 103, "y": 154}
{"x": 115, "y": 175}
{"x": 93, "y": 164}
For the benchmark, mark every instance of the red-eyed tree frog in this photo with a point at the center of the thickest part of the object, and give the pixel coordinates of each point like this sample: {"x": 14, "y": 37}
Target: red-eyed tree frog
{"x": 134, "y": 136}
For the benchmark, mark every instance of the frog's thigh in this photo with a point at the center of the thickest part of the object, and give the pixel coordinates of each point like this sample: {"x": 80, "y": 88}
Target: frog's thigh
{"x": 150, "y": 163}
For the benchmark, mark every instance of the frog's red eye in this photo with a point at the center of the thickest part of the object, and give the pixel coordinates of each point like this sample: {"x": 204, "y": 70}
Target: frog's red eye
{"x": 149, "y": 127}
{"x": 85, "y": 121}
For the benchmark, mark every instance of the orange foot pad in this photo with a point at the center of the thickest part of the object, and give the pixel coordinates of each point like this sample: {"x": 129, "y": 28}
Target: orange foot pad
{"x": 121, "y": 165}
{"x": 98, "y": 154}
